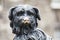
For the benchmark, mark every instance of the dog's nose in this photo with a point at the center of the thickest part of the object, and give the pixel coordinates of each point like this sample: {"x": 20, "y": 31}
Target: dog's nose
{"x": 26, "y": 20}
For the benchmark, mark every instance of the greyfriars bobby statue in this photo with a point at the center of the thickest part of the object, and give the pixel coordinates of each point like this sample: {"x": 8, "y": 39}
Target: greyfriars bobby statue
{"x": 23, "y": 21}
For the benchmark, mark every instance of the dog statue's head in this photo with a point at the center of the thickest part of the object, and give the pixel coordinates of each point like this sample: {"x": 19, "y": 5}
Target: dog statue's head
{"x": 23, "y": 18}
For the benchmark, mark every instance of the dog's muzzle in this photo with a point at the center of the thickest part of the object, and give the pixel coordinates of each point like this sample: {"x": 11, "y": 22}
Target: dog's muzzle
{"x": 26, "y": 20}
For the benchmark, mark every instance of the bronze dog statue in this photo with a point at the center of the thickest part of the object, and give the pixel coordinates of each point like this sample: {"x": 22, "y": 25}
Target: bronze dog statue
{"x": 24, "y": 23}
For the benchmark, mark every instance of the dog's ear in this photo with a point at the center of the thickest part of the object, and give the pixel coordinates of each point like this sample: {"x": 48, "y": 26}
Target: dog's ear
{"x": 37, "y": 13}
{"x": 11, "y": 13}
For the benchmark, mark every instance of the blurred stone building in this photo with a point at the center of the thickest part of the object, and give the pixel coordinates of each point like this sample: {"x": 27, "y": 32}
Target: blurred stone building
{"x": 49, "y": 11}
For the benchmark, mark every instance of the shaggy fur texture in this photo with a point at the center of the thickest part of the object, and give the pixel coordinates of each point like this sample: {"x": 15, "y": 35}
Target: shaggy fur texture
{"x": 24, "y": 23}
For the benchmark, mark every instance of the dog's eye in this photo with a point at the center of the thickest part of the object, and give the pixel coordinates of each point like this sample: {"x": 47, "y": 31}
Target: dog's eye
{"x": 20, "y": 13}
{"x": 30, "y": 13}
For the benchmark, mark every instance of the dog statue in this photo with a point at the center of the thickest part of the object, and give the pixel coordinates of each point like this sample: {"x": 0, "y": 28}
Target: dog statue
{"x": 23, "y": 21}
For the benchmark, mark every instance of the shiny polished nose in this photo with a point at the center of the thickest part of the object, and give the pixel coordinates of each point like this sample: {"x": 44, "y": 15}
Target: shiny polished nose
{"x": 26, "y": 20}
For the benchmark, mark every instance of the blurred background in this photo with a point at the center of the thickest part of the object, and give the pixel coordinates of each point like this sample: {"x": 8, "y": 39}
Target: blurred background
{"x": 49, "y": 11}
